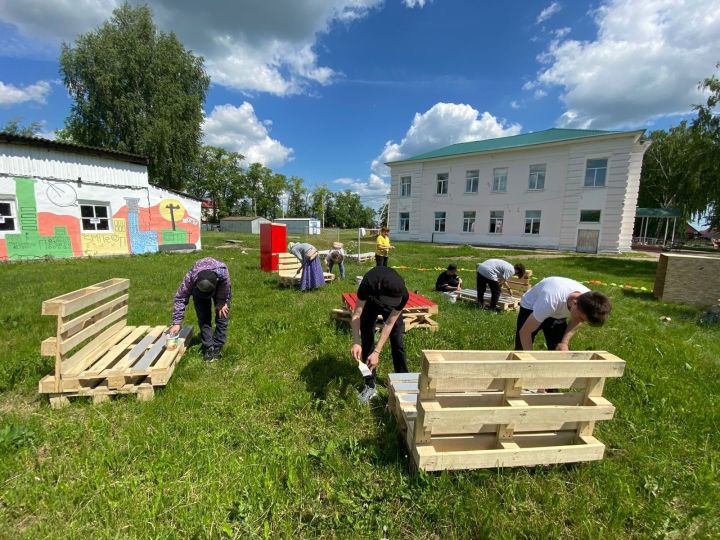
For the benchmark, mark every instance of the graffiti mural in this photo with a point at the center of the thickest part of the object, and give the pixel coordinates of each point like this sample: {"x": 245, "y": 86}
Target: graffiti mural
{"x": 50, "y": 224}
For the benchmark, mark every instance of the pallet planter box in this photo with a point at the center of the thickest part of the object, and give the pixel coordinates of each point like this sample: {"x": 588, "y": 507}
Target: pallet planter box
{"x": 97, "y": 354}
{"x": 687, "y": 279}
{"x": 506, "y": 302}
{"x": 481, "y": 409}
{"x": 289, "y": 272}
{"x": 418, "y": 312}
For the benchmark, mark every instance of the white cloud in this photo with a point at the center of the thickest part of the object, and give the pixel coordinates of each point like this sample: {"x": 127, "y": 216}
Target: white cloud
{"x": 414, "y": 3}
{"x": 441, "y": 125}
{"x": 239, "y": 130}
{"x": 645, "y": 63}
{"x": 248, "y": 45}
{"x": 561, "y": 32}
{"x": 515, "y": 104}
{"x": 548, "y": 12}
{"x": 373, "y": 190}
{"x": 14, "y": 95}
{"x": 539, "y": 93}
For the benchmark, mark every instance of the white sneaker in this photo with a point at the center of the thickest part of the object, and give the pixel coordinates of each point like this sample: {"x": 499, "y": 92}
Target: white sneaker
{"x": 367, "y": 394}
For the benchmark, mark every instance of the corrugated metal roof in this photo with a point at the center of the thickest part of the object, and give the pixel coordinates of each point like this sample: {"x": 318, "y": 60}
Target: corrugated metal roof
{"x": 547, "y": 136}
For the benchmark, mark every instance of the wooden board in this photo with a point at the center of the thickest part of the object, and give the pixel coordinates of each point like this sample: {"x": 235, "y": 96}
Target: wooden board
{"x": 416, "y": 302}
{"x": 289, "y": 273}
{"x": 411, "y": 320}
{"x": 505, "y": 301}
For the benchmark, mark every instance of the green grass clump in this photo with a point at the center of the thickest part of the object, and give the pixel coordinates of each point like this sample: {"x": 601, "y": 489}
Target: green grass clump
{"x": 271, "y": 443}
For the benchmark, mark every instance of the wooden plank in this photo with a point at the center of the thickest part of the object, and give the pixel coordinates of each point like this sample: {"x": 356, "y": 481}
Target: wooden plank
{"x": 115, "y": 352}
{"x": 150, "y": 355}
{"x": 139, "y": 349}
{"x": 73, "y": 324}
{"x": 48, "y": 347}
{"x": 70, "y": 303}
{"x": 107, "y": 338}
{"x": 167, "y": 359}
{"x": 92, "y": 330}
{"x": 84, "y": 363}
{"x": 510, "y": 369}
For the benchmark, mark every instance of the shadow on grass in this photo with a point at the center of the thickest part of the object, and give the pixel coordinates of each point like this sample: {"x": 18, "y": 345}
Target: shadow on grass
{"x": 328, "y": 371}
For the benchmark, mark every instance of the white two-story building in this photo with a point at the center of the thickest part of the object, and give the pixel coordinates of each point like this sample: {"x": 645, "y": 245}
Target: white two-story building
{"x": 570, "y": 189}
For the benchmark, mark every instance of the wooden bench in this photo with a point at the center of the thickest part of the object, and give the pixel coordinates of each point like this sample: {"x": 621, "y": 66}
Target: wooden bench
{"x": 518, "y": 286}
{"x": 97, "y": 354}
{"x": 289, "y": 270}
{"x": 481, "y": 409}
{"x": 417, "y": 313}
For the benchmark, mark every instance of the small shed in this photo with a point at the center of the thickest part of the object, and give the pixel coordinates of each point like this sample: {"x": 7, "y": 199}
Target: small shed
{"x": 301, "y": 225}
{"x": 243, "y": 224}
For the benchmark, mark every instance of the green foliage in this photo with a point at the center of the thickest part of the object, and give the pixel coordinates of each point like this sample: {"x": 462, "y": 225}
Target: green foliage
{"x": 217, "y": 175}
{"x": 345, "y": 210}
{"x": 14, "y": 127}
{"x": 271, "y": 443}
{"x": 297, "y": 198}
{"x": 136, "y": 90}
{"x": 707, "y": 127}
{"x": 14, "y": 436}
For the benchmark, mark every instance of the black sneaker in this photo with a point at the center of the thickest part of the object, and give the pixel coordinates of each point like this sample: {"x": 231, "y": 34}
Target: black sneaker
{"x": 209, "y": 354}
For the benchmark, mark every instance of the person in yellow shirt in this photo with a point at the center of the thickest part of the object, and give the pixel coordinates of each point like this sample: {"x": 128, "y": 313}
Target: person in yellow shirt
{"x": 383, "y": 247}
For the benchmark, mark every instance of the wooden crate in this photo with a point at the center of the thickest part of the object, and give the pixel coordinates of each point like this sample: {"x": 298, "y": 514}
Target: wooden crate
{"x": 481, "y": 409}
{"x": 688, "y": 279}
{"x": 289, "y": 270}
{"x": 506, "y": 302}
{"x": 97, "y": 354}
{"x": 418, "y": 312}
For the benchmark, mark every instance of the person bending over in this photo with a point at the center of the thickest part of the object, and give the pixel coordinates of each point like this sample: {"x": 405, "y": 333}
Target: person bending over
{"x": 493, "y": 274}
{"x": 312, "y": 274}
{"x": 448, "y": 280}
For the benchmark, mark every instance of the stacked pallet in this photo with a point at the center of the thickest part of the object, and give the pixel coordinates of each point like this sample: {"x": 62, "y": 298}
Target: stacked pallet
{"x": 506, "y": 301}
{"x": 481, "y": 409}
{"x": 97, "y": 354}
{"x": 418, "y": 312}
{"x": 290, "y": 272}
{"x": 688, "y": 279}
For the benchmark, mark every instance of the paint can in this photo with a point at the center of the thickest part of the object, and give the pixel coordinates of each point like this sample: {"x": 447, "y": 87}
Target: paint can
{"x": 171, "y": 342}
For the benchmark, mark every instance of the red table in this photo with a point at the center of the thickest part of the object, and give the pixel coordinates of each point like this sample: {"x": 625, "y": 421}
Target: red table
{"x": 417, "y": 313}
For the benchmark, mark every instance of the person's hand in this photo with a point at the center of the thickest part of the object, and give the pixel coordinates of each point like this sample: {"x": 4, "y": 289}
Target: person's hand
{"x": 174, "y": 329}
{"x": 356, "y": 352}
{"x": 373, "y": 360}
{"x": 562, "y": 347}
{"x": 224, "y": 310}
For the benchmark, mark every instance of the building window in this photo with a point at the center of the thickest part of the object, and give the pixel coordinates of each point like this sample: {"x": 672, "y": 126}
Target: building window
{"x": 439, "y": 221}
{"x": 95, "y": 217}
{"x": 469, "y": 221}
{"x": 8, "y": 216}
{"x": 499, "y": 184}
{"x": 472, "y": 181}
{"x": 595, "y": 172}
{"x": 536, "y": 182}
{"x": 442, "y": 184}
{"x": 404, "y": 221}
{"x": 532, "y": 222}
{"x": 405, "y": 186}
{"x": 496, "y": 221}
{"x": 590, "y": 216}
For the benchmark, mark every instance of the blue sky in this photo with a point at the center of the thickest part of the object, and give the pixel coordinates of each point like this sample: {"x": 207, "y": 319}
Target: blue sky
{"x": 330, "y": 89}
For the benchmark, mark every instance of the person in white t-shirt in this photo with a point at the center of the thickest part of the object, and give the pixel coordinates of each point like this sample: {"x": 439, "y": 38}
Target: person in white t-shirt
{"x": 493, "y": 274}
{"x": 549, "y": 305}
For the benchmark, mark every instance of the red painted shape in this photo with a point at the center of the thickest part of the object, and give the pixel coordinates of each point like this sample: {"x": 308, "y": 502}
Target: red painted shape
{"x": 415, "y": 301}
{"x": 3, "y": 250}
{"x": 47, "y": 222}
{"x": 273, "y": 239}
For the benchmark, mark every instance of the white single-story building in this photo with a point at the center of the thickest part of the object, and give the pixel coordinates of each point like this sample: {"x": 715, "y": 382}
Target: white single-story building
{"x": 60, "y": 199}
{"x": 243, "y": 224}
{"x": 300, "y": 225}
{"x": 570, "y": 189}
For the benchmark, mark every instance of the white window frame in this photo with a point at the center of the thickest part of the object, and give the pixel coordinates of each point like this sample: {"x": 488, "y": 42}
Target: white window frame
{"x": 95, "y": 204}
{"x": 599, "y": 219}
{"x": 595, "y": 170}
{"x": 535, "y": 175}
{"x": 404, "y": 216}
{"x": 472, "y": 180}
{"x": 439, "y": 182}
{"x": 532, "y": 220}
{"x": 469, "y": 221}
{"x": 496, "y": 183}
{"x": 494, "y": 221}
{"x": 13, "y": 215}
{"x": 440, "y": 220}
{"x": 403, "y": 185}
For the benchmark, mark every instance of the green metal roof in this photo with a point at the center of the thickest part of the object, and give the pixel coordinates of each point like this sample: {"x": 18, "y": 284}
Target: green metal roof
{"x": 658, "y": 212}
{"x": 515, "y": 141}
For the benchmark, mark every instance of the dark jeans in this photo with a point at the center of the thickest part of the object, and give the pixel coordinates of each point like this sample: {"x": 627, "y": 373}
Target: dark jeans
{"x": 554, "y": 330}
{"x": 380, "y": 260}
{"x": 341, "y": 266}
{"x": 494, "y": 287}
{"x": 367, "y": 338}
{"x": 203, "y": 309}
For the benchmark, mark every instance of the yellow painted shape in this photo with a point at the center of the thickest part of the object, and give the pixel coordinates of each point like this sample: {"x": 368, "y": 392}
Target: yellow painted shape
{"x": 114, "y": 243}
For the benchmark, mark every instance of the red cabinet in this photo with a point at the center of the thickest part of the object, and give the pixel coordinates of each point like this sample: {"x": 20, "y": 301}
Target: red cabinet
{"x": 273, "y": 240}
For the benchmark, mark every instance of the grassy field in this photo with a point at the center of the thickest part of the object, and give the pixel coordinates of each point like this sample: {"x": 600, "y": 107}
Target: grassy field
{"x": 270, "y": 442}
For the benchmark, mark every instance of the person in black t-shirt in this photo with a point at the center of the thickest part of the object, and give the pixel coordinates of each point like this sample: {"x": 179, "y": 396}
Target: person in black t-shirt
{"x": 382, "y": 292}
{"x": 448, "y": 280}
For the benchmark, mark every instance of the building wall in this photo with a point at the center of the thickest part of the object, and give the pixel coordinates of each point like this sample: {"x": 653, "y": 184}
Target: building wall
{"x": 48, "y": 219}
{"x": 560, "y": 202}
{"x": 242, "y": 226}
{"x": 301, "y": 226}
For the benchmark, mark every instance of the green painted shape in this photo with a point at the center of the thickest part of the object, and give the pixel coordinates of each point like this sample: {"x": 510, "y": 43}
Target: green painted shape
{"x": 178, "y": 236}
{"x": 28, "y": 244}
{"x": 514, "y": 141}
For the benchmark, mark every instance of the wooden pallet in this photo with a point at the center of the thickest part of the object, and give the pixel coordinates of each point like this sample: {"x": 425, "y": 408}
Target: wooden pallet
{"x": 418, "y": 312}
{"x": 97, "y": 354}
{"x": 481, "y": 409}
{"x": 289, "y": 270}
{"x": 506, "y": 302}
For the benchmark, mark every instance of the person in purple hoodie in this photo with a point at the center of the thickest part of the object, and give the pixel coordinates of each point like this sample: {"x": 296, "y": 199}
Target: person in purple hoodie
{"x": 207, "y": 281}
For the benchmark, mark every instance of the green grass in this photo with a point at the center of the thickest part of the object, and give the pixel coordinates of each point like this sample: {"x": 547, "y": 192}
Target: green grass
{"x": 270, "y": 442}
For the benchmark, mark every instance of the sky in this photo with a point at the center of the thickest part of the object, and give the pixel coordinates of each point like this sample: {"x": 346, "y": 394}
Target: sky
{"x": 330, "y": 90}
